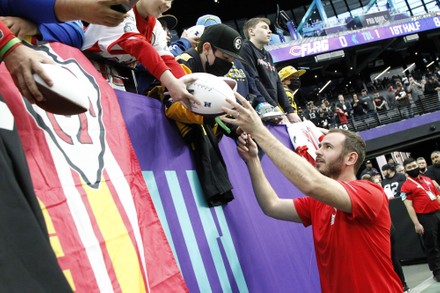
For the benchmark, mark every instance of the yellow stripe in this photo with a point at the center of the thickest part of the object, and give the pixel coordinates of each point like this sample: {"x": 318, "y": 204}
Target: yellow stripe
{"x": 54, "y": 240}
{"x": 47, "y": 219}
{"x": 56, "y": 246}
{"x": 119, "y": 245}
{"x": 69, "y": 278}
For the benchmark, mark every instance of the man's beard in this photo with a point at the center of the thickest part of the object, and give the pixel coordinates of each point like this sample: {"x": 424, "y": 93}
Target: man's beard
{"x": 334, "y": 168}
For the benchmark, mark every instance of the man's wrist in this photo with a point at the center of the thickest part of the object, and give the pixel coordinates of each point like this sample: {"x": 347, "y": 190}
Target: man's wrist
{"x": 252, "y": 161}
{"x": 9, "y": 47}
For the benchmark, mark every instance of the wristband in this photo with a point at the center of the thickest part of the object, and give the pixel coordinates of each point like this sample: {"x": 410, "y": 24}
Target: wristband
{"x": 8, "y": 46}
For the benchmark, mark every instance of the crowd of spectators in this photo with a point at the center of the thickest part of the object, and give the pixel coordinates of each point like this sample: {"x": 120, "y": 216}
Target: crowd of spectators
{"x": 406, "y": 96}
{"x": 140, "y": 39}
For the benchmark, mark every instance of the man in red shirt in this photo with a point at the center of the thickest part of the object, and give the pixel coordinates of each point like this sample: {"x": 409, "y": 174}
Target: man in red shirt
{"x": 422, "y": 201}
{"x": 350, "y": 218}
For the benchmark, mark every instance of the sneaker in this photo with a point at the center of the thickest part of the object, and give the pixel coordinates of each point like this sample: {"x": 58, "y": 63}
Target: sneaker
{"x": 406, "y": 288}
{"x": 268, "y": 112}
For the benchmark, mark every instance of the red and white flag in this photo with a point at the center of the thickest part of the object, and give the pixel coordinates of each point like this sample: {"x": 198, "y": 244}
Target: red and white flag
{"x": 101, "y": 220}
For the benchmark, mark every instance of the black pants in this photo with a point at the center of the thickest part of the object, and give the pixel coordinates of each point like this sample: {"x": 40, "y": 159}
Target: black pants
{"x": 431, "y": 239}
{"x": 394, "y": 257}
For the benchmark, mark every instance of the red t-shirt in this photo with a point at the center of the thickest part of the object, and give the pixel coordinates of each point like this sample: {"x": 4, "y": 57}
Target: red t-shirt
{"x": 134, "y": 39}
{"x": 353, "y": 251}
{"x": 147, "y": 55}
{"x": 342, "y": 117}
{"x": 415, "y": 189}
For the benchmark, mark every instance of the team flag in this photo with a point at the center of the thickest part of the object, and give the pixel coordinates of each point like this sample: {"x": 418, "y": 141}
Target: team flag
{"x": 101, "y": 220}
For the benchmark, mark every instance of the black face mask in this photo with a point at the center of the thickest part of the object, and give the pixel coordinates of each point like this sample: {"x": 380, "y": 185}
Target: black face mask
{"x": 295, "y": 84}
{"x": 413, "y": 173}
{"x": 219, "y": 68}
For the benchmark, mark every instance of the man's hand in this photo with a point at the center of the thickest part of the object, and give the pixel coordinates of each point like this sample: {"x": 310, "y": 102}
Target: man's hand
{"x": 245, "y": 116}
{"x": 247, "y": 148}
{"x": 20, "y": 27}
{"x": 419, "y": 229}
{"x": 91, "y": 11}
{"x": 22, "y": 62}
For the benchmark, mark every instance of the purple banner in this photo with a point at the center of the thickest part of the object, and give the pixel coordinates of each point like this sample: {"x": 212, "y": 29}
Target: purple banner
{"x": 232, "y": 248}
{"x": 303, "y": 48}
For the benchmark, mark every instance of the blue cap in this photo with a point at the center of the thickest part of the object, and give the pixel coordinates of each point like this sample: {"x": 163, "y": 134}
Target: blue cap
{"x": 208, "y": 19}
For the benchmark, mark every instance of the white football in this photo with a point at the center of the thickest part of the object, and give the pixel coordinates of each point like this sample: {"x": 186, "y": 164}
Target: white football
{"x": 231, "y": 82}
{"x": 212, "y": 92}
{"x": 195, "y": 31}
{"x": 67, "y": 96}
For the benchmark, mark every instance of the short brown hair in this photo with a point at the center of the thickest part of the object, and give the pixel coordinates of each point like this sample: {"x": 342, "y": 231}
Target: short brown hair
{"x": 251, "y": 23}
{"x": 353, "y": 143}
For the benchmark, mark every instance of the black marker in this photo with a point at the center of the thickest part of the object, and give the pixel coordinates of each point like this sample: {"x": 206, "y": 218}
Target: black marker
{"x": 123, "y": 8}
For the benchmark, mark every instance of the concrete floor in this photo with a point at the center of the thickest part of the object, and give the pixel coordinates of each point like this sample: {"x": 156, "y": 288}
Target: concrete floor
{"x": 419, "y": 278}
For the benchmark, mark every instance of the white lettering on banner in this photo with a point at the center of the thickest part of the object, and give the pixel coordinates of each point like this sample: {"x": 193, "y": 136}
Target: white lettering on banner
{"x": 296, "y": 51}
{"x": 396, "y": 30}
{"x": 377, "y": 33}
{"x": 362, "y": 36}
{"x": 411, "y": 27}
{"x": 375, "y": 20}
{"x": 367, "y": 36}
{"x": 343, "y": 41}
{"x": 310, "y": 48}
{"x": 315, "y": 47}
{"x": 405, "y": 28}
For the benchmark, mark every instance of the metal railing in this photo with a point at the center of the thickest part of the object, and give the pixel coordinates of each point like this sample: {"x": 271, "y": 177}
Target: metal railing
{"x": 427, "y": 104}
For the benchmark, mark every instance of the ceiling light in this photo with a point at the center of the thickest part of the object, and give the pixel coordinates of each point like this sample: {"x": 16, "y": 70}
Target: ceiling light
{"x": 328, "y": 82}
{"x": 383, "y": 72}
{"x": 408, "y": 68}
{"x": 330, "y": 56}
{"x": 411, "y": 38}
